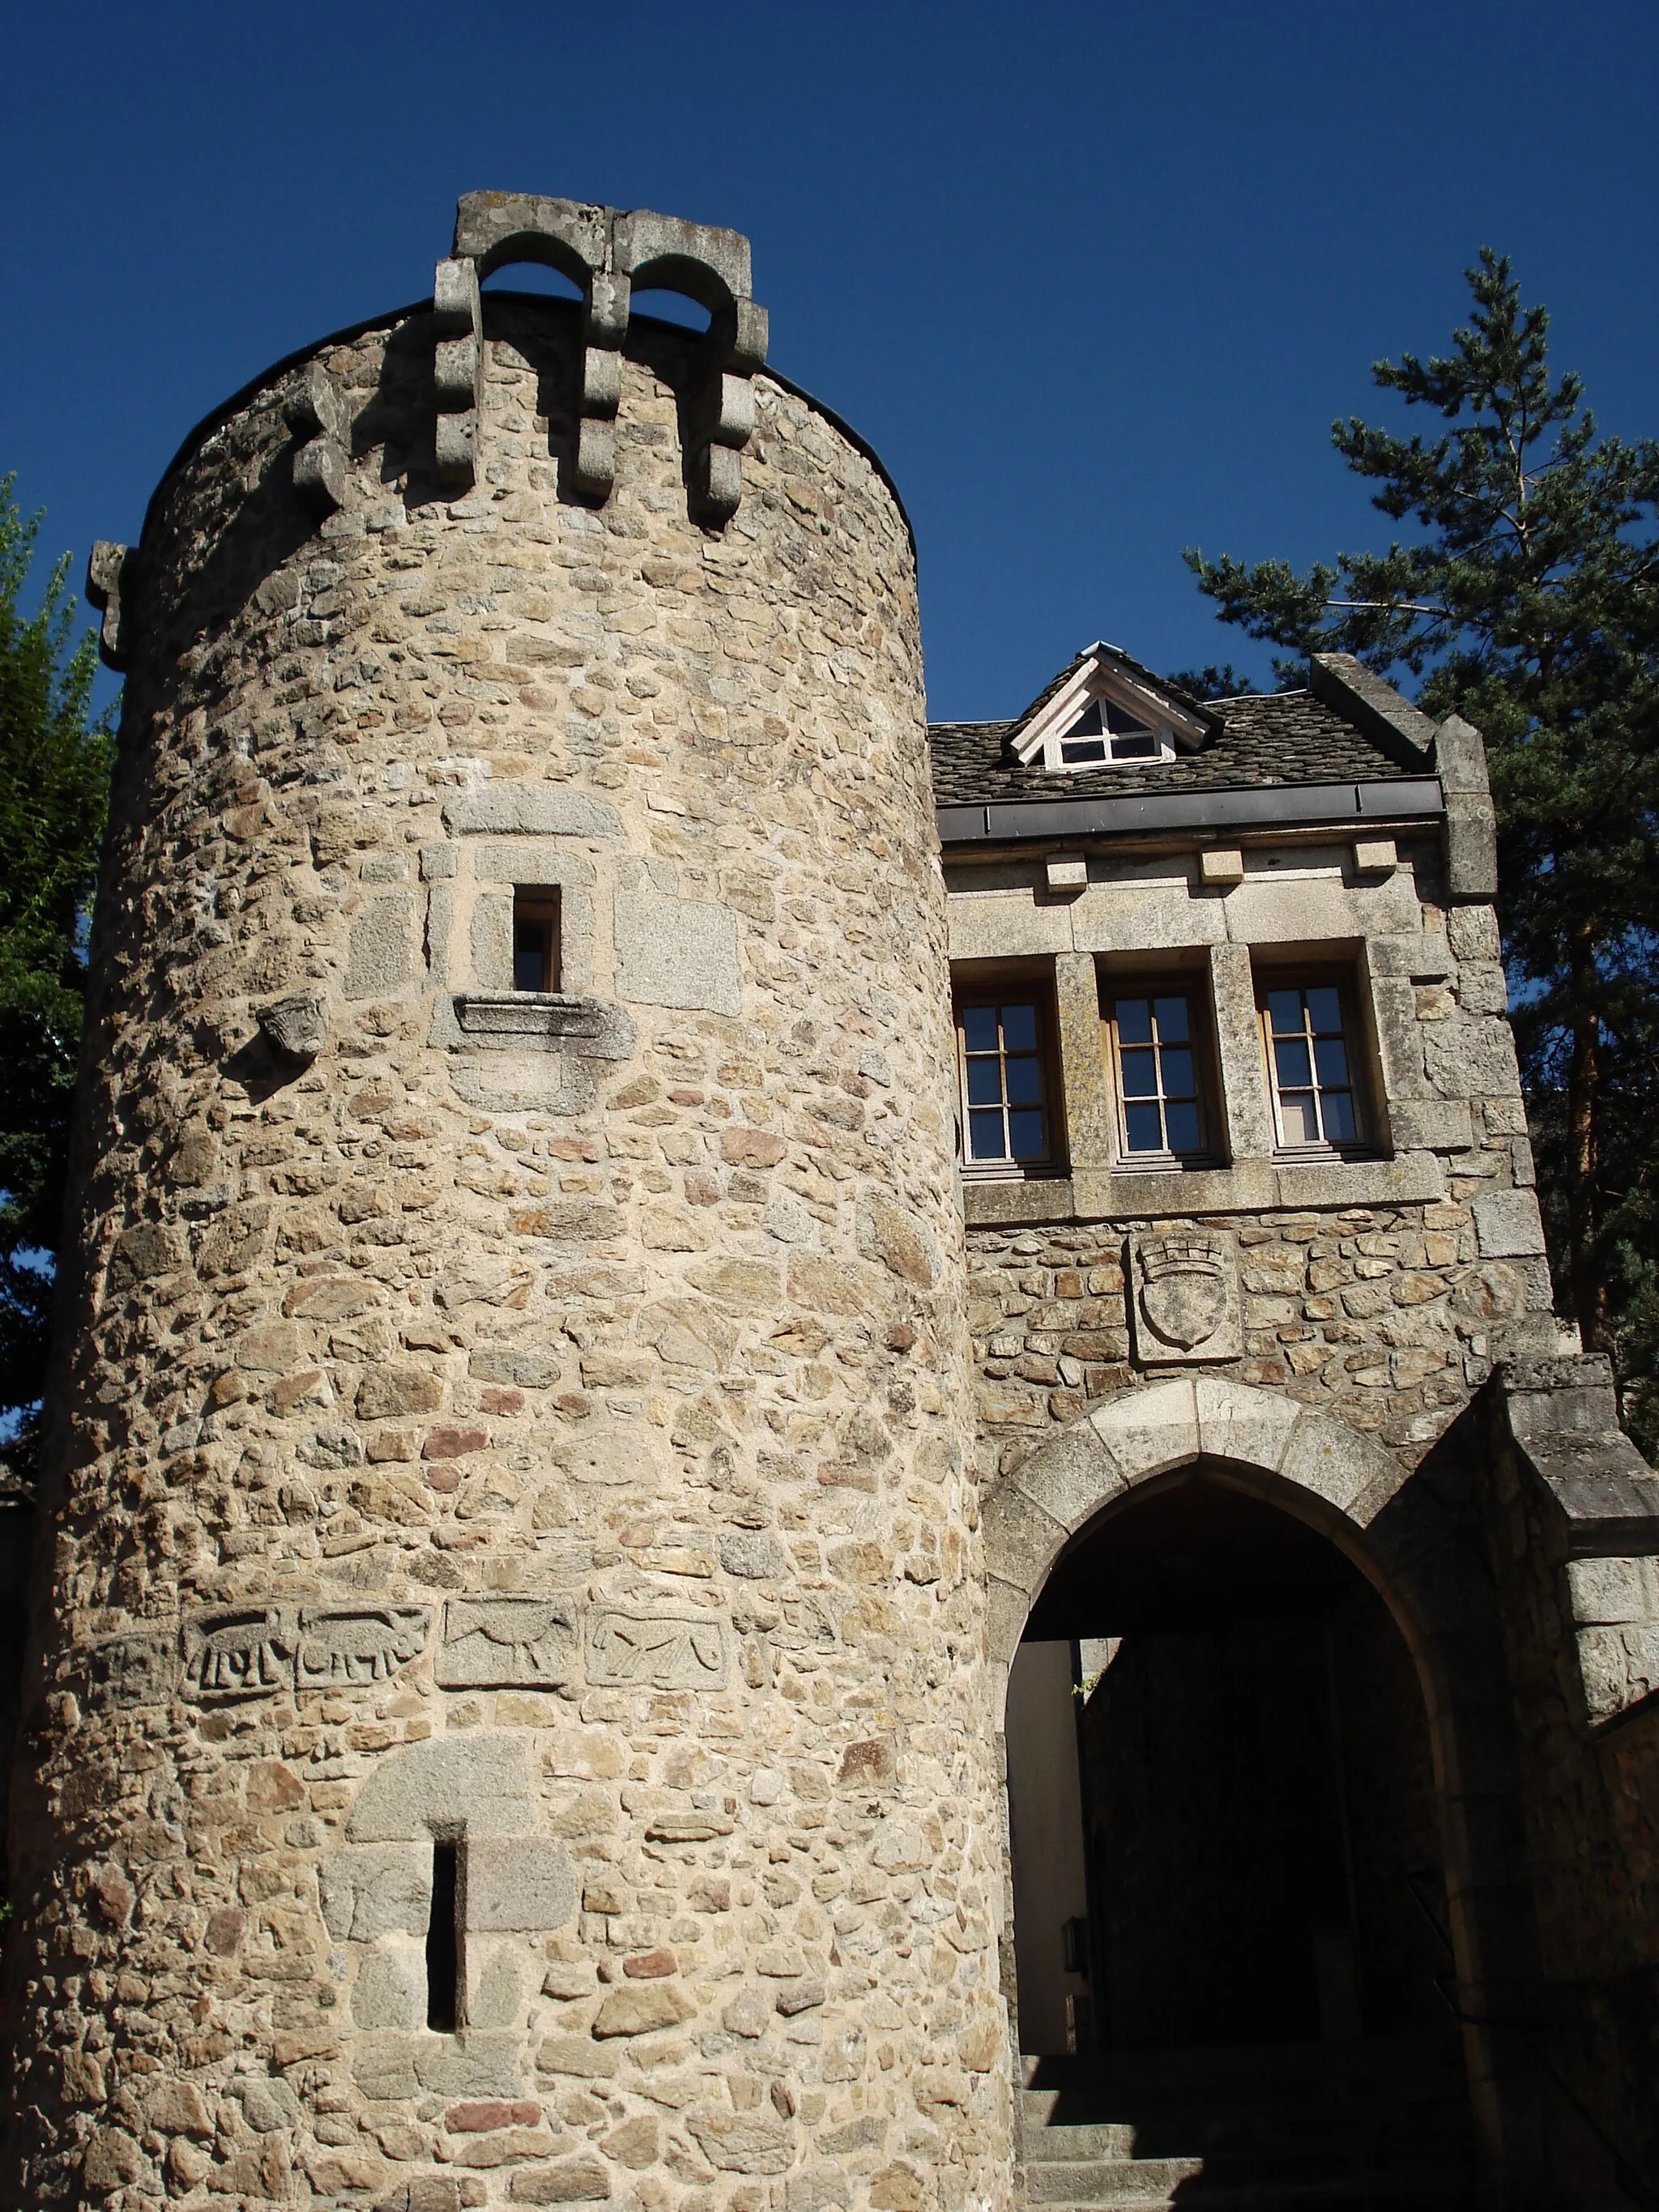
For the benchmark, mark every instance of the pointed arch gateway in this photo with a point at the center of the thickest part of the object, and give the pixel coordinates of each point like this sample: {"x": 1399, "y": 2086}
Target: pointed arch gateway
{"x": 1402, "y": 1530}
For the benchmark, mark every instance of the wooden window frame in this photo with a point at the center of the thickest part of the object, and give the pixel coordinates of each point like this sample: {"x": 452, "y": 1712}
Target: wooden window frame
{"x": 1179, "y": 984}
{"x": 999, "y": 991}
{"x": 1303, "y": 976}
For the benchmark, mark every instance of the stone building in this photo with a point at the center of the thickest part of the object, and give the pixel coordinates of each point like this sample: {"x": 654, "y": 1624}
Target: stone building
{"x": 794, "y": 1463}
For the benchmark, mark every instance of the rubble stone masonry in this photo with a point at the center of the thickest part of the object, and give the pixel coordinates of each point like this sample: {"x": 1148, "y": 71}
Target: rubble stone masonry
{"x": 536, "y": 1430}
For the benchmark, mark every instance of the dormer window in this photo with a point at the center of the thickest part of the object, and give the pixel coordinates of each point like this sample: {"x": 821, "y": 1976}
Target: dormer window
{"x": 1106, "y": 731}
{"x": 1106, "y": 711}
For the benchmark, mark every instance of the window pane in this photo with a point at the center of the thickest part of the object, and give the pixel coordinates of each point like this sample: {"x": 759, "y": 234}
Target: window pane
{"x": 1290, "y": 1059}
{"x": 1172, "y": 1020}
{"x": 984, "y": 1083}
{"x": 1075, "y": 750}
{"x": 1338, "y": 1117}
{"x": 1331, "y": 1059}
{"x": 1134, "y": 1021}
{"x": 978, "y": 1027}
{"x": 1024, "y": 1082}
{"x": 1025, "y": 1128}
{"x": 1088, "y": 723}
{"x": 1135, "y": 748}
{"x": 529, "y": 966}
{"x": 1325, "y": 1010}
{"x": 1140, "y": 1074}
{"x": 1301, "y": 1122}
{"x": 1284, "y": 1013}
{"x": 1142, "y": 1128}
{"x": 985, "y": 1137}
{"x": 1178, "y": 1074}
{"x": 1119, "y": 719}
{"x": 1184, "y": 1126}
{"x": 1019, "y": 1028}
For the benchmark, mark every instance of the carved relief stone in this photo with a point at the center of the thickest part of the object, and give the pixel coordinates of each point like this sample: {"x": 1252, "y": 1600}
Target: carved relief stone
{"x": 656, "y": 1651}
{"x": 129, "y": 1670}
{"x": 349, "y": 1648}
{"x": 508, "y": 1643}
{"x": 1186, "y": 1301}
{"x": 248, "y": 1653}
{"x": 255, "y": 1651}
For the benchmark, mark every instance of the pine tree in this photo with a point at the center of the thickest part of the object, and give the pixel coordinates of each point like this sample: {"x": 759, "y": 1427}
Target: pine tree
{"x": 54, "y": 779}
{"x": 1527, "y": 600}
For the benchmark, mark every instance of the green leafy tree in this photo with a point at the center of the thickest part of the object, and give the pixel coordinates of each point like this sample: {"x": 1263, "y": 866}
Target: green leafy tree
{"x": 54, "y": 782}
{"x": 1527, "y": 600}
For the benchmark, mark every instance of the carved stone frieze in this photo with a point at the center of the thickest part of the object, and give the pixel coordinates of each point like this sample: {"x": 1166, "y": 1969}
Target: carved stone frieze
{"x": 508, "y": 1642}
{"x": 244, "y": 1652}
{"x": 255, "y": 1651}
{"x": 348, "y": 1647}
{"x": 628, "y": 1649}
{"x": 131, "y": 1670}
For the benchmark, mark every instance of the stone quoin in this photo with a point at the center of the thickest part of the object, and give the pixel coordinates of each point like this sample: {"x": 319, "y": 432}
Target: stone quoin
{"x": 700, "y": 1327}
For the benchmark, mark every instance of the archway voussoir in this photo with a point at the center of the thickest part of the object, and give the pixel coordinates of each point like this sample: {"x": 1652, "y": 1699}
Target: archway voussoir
{"x": 1007, "y": 1609}
{"x": 1021, "y": 1539}
{"x": 1249, "y": 1427}
{"x": 1072, "y": 1477}
{"x": 1334, "y": 1463}
{"x": 1150, "y": 1430}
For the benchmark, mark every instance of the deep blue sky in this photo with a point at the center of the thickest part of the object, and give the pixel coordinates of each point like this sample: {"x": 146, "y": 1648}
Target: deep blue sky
{"x": 1094, "y": 280}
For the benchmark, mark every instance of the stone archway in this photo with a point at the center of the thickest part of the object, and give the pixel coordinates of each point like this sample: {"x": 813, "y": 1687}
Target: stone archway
{"x": 1403, "y": 1534}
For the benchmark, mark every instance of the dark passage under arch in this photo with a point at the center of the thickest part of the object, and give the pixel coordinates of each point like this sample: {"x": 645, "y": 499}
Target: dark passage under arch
{"x": 1229, "y": 1889}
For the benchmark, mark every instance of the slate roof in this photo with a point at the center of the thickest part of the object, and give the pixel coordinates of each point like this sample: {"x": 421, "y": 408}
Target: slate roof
{"x": 1276, "y": 737}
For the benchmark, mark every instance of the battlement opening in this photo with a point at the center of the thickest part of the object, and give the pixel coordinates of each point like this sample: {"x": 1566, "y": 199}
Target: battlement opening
{"x": 532, "y": 276}
{"x": 670, "y": 306}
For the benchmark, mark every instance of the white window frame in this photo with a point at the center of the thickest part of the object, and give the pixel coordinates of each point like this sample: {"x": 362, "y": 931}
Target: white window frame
{"x": 1136, "y": 986}
{"x": 1039, "y": 744}
{"x": 1297, "y": 976}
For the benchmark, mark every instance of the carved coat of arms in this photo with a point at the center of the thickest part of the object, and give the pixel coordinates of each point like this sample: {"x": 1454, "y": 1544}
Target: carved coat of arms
{"x": 1184, "y": 1297}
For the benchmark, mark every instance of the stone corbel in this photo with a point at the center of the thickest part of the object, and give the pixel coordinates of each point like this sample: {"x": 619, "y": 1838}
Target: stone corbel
{"x": 722, "y": 413}
{"x": 316, "y": 414}
{"x": 604, "y": 329}
{"x": 458, "y": 369}
{"x": 712, "y": 267}
{"x": 110, "y": 569}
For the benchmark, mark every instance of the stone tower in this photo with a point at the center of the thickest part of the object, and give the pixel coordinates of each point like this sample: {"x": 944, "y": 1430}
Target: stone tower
{"x": 504, "y": 1724}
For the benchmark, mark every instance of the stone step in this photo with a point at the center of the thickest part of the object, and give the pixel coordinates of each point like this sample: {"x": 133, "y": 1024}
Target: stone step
{"x": 1098, "y": 2183}
{"x": 1093, "y": 2184}
{"x": 1181, "y": 2129}
{"x": 1406, "y": 2189}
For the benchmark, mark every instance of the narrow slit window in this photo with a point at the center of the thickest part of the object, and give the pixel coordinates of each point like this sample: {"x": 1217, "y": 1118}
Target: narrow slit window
{"x": 443, "y": 1941}
{"x": 1309, "y": 1046}
{"x": 536, "y": 950}
{"x": 1003, "y": 1090}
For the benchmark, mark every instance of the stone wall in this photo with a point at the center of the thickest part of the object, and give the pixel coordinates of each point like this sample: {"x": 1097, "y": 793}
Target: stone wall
{"x": 1383, "y": 1315}
{"x": 546, "y": 1428}
{"x": 1589, "y": 1757}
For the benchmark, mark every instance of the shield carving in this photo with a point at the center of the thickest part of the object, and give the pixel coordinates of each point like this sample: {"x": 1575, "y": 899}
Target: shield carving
{"x": 1185, "y": 1305}
{"x": 1186, "y": 1296}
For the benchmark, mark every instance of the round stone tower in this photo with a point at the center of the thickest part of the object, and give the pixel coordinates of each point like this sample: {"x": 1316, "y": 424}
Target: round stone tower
{"x": 509, "y": 1723}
